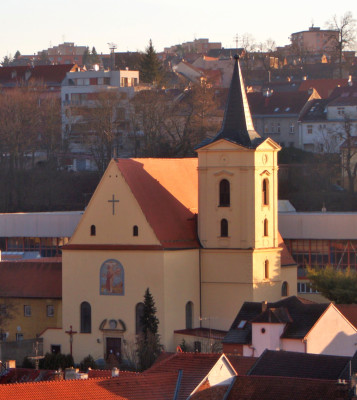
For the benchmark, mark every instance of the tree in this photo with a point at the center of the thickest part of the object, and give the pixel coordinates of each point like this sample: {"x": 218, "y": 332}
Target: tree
{"x": 6, "y": 61}
{"x": 98, "y": 125}
{"x": 349, "y": 152}
{"x": 346, "y": 28}
{"x": 148, "y": 342}
{"x": 151, "y": 70}
{"x": 86, "y": 56}
{"x": 7, "y": 311}
{"x": 336, "y": 285}
{"x": 94, "y": 57}
{"x": 17, "y": 55}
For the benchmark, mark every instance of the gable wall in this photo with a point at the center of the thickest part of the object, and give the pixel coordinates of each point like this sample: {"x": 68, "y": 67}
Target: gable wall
{"x": 333, "y": 335}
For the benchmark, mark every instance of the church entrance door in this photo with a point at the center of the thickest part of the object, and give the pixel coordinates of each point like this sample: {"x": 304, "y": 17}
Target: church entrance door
{"x": 114, "y": 347}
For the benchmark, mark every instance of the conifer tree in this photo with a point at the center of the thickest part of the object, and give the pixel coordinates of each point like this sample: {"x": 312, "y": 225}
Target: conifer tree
{"x": 148, "y": 343}
{"x": 150, "y": 67}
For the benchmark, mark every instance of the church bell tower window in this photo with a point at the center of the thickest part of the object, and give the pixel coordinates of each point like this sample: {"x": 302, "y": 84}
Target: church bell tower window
{"x": 224, "y": 228}
{"x": 224, "y": 193}
{"x": 265, "y": 192}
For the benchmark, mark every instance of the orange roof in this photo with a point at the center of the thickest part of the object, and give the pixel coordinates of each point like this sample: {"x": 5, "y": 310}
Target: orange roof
{"x": 33, "y": 278}
{"x": 167, "y": 192}
{"x": 125, "y": 387}
{"x": 286, "y": 257}
{"x": 195, "y": 366}
{"x": 324, "y": 87}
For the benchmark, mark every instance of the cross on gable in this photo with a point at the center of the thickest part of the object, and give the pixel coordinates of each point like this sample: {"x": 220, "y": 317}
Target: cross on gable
{"x": 113, "y": 201}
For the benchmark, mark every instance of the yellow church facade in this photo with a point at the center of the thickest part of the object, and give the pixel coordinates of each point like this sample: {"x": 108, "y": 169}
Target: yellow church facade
{"x": 200, "y": 233}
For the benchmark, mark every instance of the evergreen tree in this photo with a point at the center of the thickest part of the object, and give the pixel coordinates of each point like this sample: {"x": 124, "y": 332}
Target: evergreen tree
{"x": 148, "y": 343}
{"x": 17, "y": 55}
{"x": 151, "y": 70}
{"x": 94, "y": 57}
{"x": 86, "y": 57}
{"x": 149, "y": 320}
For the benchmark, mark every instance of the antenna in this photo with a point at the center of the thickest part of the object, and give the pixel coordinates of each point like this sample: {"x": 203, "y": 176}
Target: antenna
{"x": 236, "y": 39}
{"x": 112, "y": 47}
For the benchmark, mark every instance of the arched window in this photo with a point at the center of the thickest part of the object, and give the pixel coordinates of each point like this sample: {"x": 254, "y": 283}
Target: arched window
{"x": 265, "y": 192}
{"x": 189, "y": 315}
{"x": 266, "y": 269}
{"x": 284, "y": 289}
{"x": 139, "y": 313}
{"x": 86, "y": 317}
{"x": 92, "y": 230}
{"x": 135, "y": 230}
{"x": 224, "y": 228}
{"x": 224, "y": 193}
{"x": 265, "y": 227}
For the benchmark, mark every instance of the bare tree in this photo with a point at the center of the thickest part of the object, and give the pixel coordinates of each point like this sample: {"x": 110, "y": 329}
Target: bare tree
{"x": 346, "y": 28}
{"x": 349, "y": 152}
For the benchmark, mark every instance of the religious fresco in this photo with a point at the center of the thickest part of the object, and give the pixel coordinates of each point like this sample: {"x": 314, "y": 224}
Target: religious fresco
{"x": 112, "y": 278}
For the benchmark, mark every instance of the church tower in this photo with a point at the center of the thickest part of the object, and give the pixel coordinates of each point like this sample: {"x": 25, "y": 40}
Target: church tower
{"x": 237, "y": 213}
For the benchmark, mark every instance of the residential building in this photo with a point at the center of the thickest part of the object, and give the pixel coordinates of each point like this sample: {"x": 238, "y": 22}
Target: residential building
{"x": 316, "y": 40}
{"x": 291, "y": 324}
{"x": 82, "y": 90}
{"x": 323, "y": 124}
{"x": 276, "y": 114}
{"x": 30, "y": 302}
{"x": 200, "y": 46}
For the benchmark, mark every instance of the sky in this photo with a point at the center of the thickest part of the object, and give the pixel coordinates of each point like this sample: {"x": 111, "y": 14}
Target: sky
{"x": 32, "y": 26}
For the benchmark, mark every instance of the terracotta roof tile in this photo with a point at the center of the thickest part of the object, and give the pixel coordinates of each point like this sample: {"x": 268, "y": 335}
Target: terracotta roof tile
{"x": 241, "y": 364}
{"x": 349, "y": 311}
{"x": 195, "y": 367}
{"x": 324, "y": 87}
{"x": 166, "y": 190}
{"x": 125, "y": 387}
{"x": 279, "y": 103}
{"x": 37, "y": 279}
{"x": 51, "y": 74}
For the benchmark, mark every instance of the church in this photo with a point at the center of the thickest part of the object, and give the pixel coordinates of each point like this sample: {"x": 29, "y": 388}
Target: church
{"x": 200, "y": 233}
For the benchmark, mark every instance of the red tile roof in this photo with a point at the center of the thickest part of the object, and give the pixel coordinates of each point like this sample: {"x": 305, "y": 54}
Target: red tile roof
{"x": 286, "y": 257}
{"x": 125, "y": 387}
{"x": 279, "y": 103}
{"x": 51, "y": 74}
{"x": 241, "y": 364}
{"x": 33, "y": 278}
{"x": 195, "y": 367}
{"x": 324, "y": 87}
{"x": 167, "y": 192}
{"x": 349, "y": 311}
{"x": 17, "y": 375}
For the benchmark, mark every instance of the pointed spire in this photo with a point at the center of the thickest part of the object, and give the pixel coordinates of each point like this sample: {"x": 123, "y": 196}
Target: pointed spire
{"x": 237, "y": 123}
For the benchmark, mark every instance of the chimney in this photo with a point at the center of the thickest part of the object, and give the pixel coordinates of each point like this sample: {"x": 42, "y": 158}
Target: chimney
{"x": 115, "y": 372}
{"x": 264, "y": 305}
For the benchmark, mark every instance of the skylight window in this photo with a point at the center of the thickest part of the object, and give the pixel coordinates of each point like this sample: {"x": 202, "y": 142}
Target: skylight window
{"x": 287, "y": 109}
{"x": 241, "y": 324}
{"x": 277, "y": 109}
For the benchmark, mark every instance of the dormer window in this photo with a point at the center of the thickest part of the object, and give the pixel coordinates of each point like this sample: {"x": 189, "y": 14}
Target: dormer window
{"x": 224, "y": 193}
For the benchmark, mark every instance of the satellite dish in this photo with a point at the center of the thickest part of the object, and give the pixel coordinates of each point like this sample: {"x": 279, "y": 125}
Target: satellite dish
{"x": 18, "y": 328}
